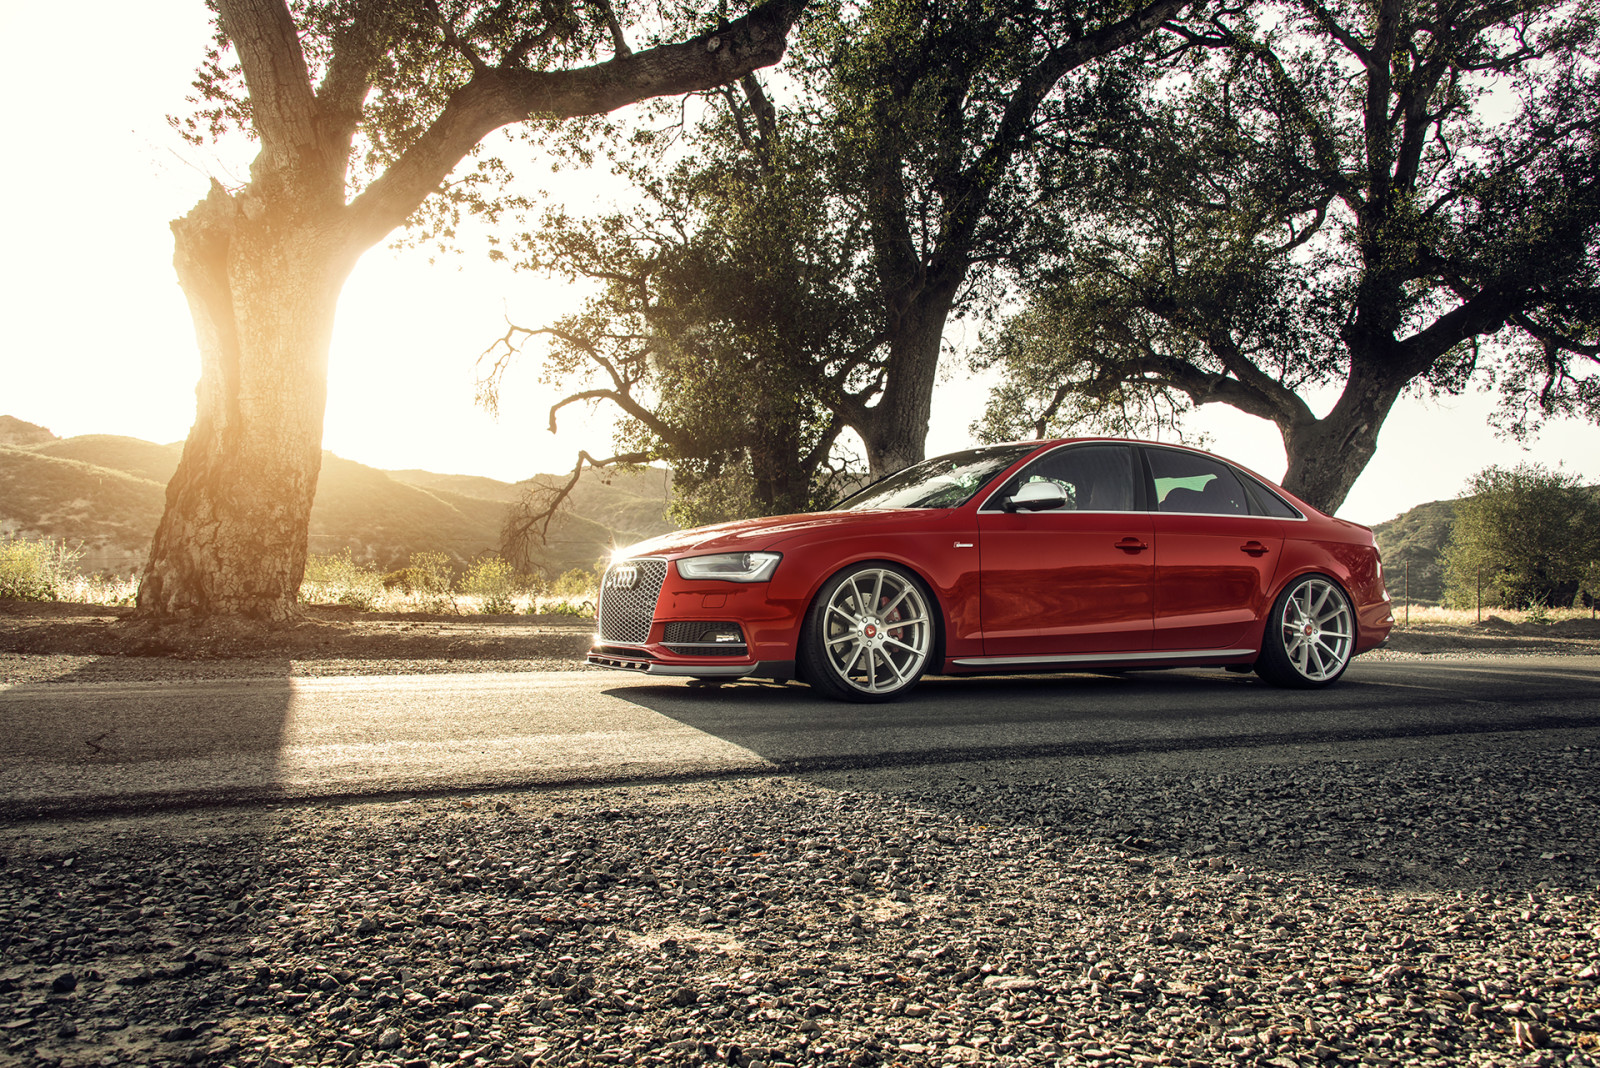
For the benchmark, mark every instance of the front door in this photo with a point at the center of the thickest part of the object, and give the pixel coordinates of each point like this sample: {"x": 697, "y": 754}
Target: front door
{"x": 1075, "y": 578}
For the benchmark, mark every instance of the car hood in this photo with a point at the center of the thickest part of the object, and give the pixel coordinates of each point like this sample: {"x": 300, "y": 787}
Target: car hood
{"x": 769, "y": 532}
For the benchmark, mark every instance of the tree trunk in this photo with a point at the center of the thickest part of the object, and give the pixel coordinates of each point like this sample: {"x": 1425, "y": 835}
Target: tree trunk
{"x": 895, "y": 430}
{"x": 1327, "y": 455}
{"x": 262, "y": 270}
{"x": 262, "y": 292}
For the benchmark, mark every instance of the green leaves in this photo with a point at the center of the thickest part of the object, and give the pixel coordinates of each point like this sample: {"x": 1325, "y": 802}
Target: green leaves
{"x": 730, "y": 318}
{"x": 1523, "y": 536}
{"x": 1328, "y": 194}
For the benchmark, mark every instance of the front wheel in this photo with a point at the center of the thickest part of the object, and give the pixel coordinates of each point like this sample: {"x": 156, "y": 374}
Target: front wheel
{"x": 1310, "y": 635}
{"x": 868, "y": 634}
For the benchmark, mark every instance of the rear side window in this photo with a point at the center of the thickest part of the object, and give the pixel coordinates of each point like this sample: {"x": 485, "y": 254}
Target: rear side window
{"x": 1266, "y": 502}
{"x": 1195, "y": 485}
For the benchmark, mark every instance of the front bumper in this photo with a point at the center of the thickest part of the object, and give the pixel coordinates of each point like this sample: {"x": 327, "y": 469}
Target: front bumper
{"x": 642, "y": 662}
{"x": 652, "y": 621}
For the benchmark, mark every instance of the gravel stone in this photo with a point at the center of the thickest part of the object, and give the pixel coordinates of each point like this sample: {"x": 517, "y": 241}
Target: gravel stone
{"x": 1422, "y": 901}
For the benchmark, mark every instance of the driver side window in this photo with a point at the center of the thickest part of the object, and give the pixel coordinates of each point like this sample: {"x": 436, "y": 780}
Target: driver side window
{"x": 1094, "y": 478}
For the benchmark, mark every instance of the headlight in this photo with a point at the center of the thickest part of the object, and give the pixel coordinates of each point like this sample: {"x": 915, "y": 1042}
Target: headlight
{"x": 730, "y": 567}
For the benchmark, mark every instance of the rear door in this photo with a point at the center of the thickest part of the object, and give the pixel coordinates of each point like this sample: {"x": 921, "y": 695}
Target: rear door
{"x": 1073, "y": 579}
{"x": 1214, "y": 560}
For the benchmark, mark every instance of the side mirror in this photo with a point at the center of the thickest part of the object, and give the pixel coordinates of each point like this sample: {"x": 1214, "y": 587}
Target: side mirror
{"x": 1036, "y": 497}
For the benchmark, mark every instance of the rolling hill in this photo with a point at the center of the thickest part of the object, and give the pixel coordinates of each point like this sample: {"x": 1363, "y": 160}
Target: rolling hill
{"x": 1413, "y": 546}
{"x": 105, "y": 494}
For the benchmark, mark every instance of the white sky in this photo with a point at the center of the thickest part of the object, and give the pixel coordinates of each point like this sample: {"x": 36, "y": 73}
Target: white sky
{"x": 98, "y": 339}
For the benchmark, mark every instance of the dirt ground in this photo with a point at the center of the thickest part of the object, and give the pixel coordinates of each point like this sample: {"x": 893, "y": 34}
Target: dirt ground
{"x": 335, "y": 633}
{"x": 327, "y": 633}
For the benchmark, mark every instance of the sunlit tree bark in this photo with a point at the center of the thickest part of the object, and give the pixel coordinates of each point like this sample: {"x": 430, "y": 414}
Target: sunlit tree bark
{"x": 262, "y": 266}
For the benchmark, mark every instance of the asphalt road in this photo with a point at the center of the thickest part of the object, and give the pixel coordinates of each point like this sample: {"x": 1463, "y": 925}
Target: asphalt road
{"x": 101, "y": 747}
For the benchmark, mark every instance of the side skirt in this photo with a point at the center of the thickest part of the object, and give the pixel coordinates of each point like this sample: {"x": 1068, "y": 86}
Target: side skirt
{"x": 990, "y": 663}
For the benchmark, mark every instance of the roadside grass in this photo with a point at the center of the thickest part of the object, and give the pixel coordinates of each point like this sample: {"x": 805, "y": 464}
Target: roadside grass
{"x": 45, "y": 569}
{"x": 427, "y": 584}
{"x": 102, "y": 589}
{"x": 36, "y": 569}
{"x": 1436, "y": 616}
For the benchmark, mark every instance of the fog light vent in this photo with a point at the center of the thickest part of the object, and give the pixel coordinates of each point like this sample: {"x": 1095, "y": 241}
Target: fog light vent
{"x": 696, "y": 638}
{"x": 697, "y": 633}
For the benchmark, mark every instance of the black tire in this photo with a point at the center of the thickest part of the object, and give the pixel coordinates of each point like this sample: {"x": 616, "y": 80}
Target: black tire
{"x": 1310, "y": 635}
{"x": 869, "y": 634}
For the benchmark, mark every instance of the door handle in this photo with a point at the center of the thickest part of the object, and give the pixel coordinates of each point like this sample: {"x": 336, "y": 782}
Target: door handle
{"x": 1132, "y": 545}
{"x": 1254, "y": 548}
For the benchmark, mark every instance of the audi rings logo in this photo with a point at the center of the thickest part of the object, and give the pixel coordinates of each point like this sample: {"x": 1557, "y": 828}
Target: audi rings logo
{"x": 623, "y": 577}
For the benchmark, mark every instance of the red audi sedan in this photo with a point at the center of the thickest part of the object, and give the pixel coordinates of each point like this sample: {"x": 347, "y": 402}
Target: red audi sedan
{"x": 1081, "y": 554}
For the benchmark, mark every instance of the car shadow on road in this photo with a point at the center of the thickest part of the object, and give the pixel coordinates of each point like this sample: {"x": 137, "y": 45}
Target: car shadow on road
{"x": 952, "y": 719}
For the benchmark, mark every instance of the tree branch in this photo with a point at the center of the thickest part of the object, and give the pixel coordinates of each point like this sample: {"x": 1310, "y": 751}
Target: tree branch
{"x": 283, "y": 108}
{"x": 348, "y": 79}
{"x": 498, "y": 96}
{"x": 1334, "y": 29}
{"x": 619, "y": 43}
{"x": 454, "y": 39}
{"x": 528, "y": 522}
{"x": 980, "y": 178}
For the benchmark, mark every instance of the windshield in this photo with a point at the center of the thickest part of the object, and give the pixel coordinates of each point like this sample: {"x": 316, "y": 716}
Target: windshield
{"x": 943, "y": 482}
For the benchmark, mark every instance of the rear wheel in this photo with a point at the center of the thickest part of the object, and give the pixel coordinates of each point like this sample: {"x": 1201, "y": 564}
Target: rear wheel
{"x": 868, "y": 634}
{"x": 1310, "y": 635}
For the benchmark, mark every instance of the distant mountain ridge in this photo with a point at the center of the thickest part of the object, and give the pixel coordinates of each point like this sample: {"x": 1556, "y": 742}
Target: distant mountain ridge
{"x": 106, "y": 493}
{"x": 14, "y": 431}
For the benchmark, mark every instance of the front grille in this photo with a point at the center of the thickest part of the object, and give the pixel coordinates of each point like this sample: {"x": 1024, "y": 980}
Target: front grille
{"x": 626, "y": 610}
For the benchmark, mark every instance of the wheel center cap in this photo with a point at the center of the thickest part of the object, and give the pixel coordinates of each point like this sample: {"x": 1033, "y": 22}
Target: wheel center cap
{"x": 870, "y": 630}
{"x": 1311, "y": 631}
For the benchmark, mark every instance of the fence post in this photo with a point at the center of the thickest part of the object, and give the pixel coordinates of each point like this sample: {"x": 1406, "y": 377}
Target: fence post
{"x": 1406, "y": 585}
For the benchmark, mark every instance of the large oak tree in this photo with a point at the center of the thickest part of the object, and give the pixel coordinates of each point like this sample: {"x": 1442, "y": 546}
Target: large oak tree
{"x": 1359, "y": 196}
{"x": 897, "y": 186}
{"x": 945, "y": 109}
{"x": 363, "y": 110}
{"x": 728, "y": 314}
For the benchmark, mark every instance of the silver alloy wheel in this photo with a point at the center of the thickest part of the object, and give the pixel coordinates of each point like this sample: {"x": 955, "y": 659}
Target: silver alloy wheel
{"x": 876, "y": 631}
{"x": 1318, "y": 629}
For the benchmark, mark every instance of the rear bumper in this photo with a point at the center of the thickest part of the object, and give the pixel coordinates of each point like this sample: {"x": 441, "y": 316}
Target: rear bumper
{"x": 1373, "y": 624}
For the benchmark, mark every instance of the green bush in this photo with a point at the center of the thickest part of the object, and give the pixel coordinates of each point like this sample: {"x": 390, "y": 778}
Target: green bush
{"x": 38, "y": 570}
{"x": 433, "y": 580}
{"x": 406, "y": 580}
{"x": 575, "y": 583}
{"x": 338, "y": 579}
{"x": 494, "y": 582}
{"x": 1524, "y": 535}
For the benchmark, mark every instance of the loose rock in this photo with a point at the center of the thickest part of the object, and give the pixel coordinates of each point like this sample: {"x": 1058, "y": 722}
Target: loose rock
{"x": 1066, "y": 912}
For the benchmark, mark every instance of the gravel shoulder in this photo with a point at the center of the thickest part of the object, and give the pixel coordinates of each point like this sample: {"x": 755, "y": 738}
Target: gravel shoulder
{"x": 90, "y": 643}
{"x": 1386, "y": 904}
{"x": 41, "y": 642}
